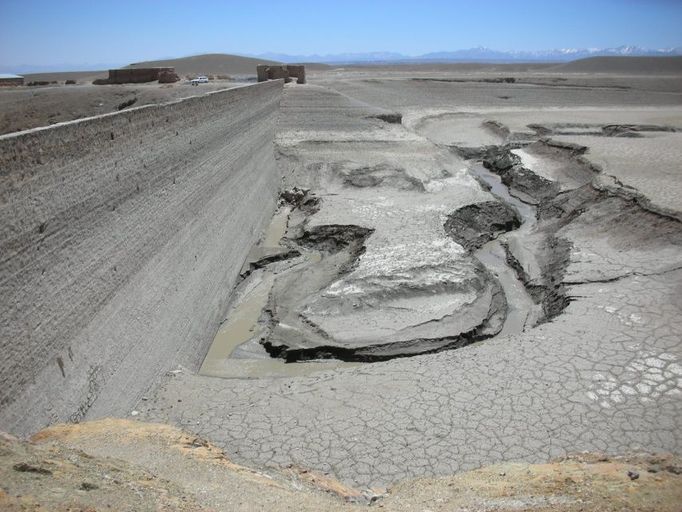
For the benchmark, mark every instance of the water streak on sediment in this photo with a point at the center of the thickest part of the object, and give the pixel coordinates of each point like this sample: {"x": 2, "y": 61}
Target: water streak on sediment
{"x": 522, "y": 312}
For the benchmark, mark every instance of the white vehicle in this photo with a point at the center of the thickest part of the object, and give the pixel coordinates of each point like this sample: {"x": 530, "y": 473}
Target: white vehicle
{"x": 199, "y": 80}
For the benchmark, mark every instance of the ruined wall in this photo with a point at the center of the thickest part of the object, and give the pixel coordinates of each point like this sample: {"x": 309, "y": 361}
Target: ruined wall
{"x": 297, "y": 71}
{"x": 11, "y": 82}
{"x": 284, "y": 71}
{"x": 136, "y": 75}
{"x": 121, "y": 237}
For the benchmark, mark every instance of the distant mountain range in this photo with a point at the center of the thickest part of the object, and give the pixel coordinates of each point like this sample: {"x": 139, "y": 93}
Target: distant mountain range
{"x": 50, "y": 68}
{"x": 479, "y": 54}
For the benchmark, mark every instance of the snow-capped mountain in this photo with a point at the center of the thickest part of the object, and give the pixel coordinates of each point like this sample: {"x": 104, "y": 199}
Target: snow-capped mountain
{"x": 339, "y": 57}
{"x": 477, "y": 54}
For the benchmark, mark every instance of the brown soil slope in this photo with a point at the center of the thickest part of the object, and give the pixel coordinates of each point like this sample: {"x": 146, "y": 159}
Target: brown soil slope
{"x": 211, "y": 63}
{"x": 60, "y": 76}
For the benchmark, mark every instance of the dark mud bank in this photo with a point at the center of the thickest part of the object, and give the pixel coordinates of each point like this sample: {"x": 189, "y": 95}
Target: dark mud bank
{"x": 550, "y": 252}
{"x": 522, "y": 183}
{"x": 476, "y": 224}
{"x": 341, "y": 246}
{"x": 616, "y": 215}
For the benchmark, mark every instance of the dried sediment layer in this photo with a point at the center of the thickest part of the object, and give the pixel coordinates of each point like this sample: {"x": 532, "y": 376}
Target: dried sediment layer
{"x": 391, "y": 281}
{"x": 473, "y": 225}
{"x": 544, "y": 172}
{"x": 587, "y": 235}
{"x": 399, "y": 287}
{"x": 523, "y": 183}
{"x": 576, "y": 210}
{"x": 621, "y": 161}
{"x": 611, "y": 359}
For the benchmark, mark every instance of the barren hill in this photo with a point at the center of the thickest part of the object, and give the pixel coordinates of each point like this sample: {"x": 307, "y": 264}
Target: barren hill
{"x": 86, "y": 76}
{"x": 623, "y": 65}
{"x": 210, "y": 63}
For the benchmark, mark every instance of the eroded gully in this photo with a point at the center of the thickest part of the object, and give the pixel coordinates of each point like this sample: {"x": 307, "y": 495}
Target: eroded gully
{"x": 236, "y": 353}
{"x": 522, "y": 311}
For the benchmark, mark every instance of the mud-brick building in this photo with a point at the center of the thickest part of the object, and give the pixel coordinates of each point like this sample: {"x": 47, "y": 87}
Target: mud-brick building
{"x": 136, "y": 75}
{"x": 286, "y": 71}
{"x": 8, "y": 79}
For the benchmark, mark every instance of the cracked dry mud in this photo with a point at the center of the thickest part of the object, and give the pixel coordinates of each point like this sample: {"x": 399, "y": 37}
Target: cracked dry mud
{"x": 396, "y": 272}
{"x": 132, "y": 466}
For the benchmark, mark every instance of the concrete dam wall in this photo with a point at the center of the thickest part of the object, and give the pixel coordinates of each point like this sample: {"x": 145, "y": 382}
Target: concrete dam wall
{"x": 121, "y": 237}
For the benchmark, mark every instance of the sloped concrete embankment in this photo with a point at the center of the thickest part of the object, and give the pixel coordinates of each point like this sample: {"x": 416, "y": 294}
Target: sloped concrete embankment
{"x": 121, "y": 237}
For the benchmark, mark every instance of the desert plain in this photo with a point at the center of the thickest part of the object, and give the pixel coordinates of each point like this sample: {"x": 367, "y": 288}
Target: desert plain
{"x": 469, "y": 266}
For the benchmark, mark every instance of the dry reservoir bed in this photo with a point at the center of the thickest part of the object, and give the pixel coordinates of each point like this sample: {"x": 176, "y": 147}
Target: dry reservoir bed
{"x": 459, "y": 272}
{"x": 403, "y": 240}
{"x": 420, "y": 217}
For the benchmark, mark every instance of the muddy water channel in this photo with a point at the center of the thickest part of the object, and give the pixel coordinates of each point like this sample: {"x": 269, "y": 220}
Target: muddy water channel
{"x": 522, "y": 311}
{"x": 236, "y": 351}
{"x": 400, "y": 249}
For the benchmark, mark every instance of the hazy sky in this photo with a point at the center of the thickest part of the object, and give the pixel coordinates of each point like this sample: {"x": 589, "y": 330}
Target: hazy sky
{"x": 49, "y": 32}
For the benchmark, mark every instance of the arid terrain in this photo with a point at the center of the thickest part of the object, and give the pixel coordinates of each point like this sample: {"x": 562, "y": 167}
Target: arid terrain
{"x": 468, "y": 297}
{"x": 22, "y": 108}
{"x": 130, "y": 466}
{"x": 32, "y": 107}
